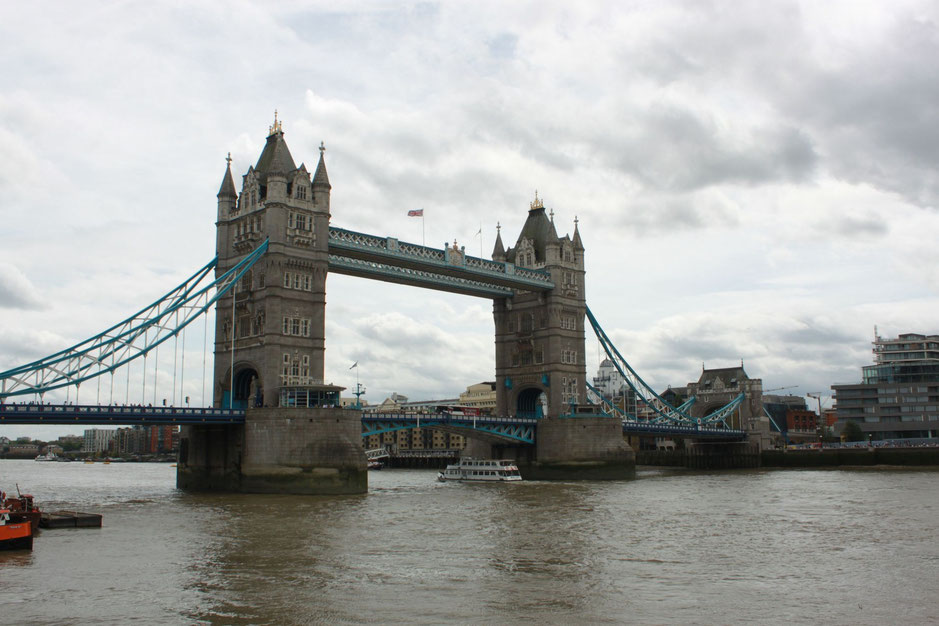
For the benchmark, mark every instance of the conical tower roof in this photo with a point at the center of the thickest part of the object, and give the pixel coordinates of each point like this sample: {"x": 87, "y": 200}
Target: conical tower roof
{"x": 578, "y": 244}
{"x": 538, "y": 228}
{"x": 320, "y": 178}
{"x": 275, "y": 158}
{"x": 227, "y": 190}
{"x": 498, "y": 250}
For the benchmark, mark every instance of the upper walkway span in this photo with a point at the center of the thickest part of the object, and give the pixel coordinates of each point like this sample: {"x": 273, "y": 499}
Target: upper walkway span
{"x": 391, "y": 260}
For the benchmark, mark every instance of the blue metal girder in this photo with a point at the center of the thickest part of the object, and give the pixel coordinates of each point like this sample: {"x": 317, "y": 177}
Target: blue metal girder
{"x": 34, "y": 413}
{"x": 415, "y": 278}
{"x": 388, "y": 252}
{"x": 694, "y": 432}
{"x": 514, "y": 429}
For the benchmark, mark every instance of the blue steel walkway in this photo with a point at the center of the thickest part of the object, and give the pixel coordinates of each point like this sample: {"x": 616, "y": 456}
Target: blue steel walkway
{"x": 91, "y": 414}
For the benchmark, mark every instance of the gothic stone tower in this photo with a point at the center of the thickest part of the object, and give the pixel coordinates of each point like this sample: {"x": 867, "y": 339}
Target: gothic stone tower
{"x": 540, "y": 361}
{"x": 293, "y": 439}
{"x": 279, "y": 305}
{"x": 540, "y": 365}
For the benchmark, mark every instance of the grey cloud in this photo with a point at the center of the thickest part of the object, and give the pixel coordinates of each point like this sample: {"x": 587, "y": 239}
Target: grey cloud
{"x": 676, "y": 149}
{"x": 876, "y": 115}
{"x": 16, "y": 291}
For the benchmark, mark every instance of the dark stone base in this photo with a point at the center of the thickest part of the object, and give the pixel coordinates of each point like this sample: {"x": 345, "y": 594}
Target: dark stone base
{"x": 279, "y": 450}
{"x": 581, "y": 448}
{"x": 841, "y": 457}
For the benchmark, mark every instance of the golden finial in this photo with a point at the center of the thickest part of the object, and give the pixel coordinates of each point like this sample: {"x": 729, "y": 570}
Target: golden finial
{"x": 276, "y": 126}
{"x": 537, "y": 204}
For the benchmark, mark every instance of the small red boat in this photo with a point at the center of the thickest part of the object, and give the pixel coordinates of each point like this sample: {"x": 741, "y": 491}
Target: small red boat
{"x": 22, "y": 508}
{"x": 14, "y": 535}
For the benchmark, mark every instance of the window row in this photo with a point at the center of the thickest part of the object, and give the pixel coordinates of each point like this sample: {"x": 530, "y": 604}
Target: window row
{"x": 569, "y": 356}
{"x": 297, "y": 326}
{"x": 527, "y": 358}
{"x": 249, "y": 225}
{"x": 296, "y": 365}
{"x": 298, "y": 280}
{"x": 299, "y": 221}
{"x": 569, "y": 393}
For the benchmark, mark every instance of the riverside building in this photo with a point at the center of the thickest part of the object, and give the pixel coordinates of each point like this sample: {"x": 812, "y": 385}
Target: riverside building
{"x": 898, "y": 397}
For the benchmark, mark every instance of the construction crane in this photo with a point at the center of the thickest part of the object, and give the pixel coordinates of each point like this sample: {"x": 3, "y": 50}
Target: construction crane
{"x": 780, "y": 388}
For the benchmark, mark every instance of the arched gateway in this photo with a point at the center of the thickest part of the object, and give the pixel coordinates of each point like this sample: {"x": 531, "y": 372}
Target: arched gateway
{"x": 269, "y": 338}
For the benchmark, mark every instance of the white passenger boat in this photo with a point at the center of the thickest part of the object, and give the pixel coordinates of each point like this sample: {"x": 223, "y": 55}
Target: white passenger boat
{"x": 481, "y": 470}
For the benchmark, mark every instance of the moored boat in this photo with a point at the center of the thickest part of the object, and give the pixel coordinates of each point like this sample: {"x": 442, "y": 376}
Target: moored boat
{"x": 482, "y": 470}
{"x": 22, "y": 508}
{"x": 15, "y": 534}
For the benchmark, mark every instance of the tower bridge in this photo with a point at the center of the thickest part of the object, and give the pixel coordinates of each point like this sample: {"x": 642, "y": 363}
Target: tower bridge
{"x": 275, "y": 425}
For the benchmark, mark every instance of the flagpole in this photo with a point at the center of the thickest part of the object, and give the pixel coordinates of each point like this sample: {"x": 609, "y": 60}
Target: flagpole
{"x": 423, "y": 243}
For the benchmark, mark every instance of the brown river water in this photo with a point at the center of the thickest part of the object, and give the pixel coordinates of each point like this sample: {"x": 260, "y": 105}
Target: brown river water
{"x": 670, "y": 547}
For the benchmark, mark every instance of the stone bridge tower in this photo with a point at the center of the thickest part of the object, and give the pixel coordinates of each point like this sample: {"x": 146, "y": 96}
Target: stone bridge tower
{"x": 541, "y": 368}
{"x": 269, "y": 343}
{"x": 540, "y": 364}
{"x": 276, "y": 323}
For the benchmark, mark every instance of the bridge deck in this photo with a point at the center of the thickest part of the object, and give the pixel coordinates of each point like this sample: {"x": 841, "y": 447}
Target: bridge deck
{"x": 520, "y": 430}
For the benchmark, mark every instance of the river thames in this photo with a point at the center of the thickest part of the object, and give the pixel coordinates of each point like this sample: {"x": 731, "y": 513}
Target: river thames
{"x": 671, "y": 547}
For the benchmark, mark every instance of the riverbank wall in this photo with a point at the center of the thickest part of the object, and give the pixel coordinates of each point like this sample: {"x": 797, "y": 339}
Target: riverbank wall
{"x": 838, "y": 457}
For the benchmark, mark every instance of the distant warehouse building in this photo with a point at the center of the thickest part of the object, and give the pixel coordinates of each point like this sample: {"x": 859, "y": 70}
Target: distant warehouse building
{"x": 898, "y": 397}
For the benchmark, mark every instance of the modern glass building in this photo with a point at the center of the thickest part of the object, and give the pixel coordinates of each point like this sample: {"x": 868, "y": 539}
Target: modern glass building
{"x": 898, "y": 397}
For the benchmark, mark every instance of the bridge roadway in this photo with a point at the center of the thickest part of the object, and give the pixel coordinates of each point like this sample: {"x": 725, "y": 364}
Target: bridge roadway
{"x": 519, "y": 430}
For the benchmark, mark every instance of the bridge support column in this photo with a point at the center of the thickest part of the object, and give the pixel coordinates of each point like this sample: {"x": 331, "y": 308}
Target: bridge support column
{"x": 581, "y": 448}
{"x": 278, "y": 450}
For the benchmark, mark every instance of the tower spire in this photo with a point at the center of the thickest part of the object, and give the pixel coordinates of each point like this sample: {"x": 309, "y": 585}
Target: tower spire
{"x": 276, "y": 127}
{"x": 227, "y": 190}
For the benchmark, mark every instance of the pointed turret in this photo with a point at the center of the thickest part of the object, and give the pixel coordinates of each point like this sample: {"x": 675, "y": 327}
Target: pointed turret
{"x": 321, "y": 184}
{"x": 320, "y": 178}
{"x": 227, "y": 190}
{"x": 227, "y": 195}
{"x": 578, "y": 244}
{"x": 498, "y": 251}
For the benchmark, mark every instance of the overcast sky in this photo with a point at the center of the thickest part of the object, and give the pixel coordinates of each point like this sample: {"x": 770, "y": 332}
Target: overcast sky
{"x": 753, "y": 181}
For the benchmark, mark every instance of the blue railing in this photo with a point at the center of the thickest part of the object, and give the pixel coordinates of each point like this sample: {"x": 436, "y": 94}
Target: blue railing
{"x": 122, "y": 415}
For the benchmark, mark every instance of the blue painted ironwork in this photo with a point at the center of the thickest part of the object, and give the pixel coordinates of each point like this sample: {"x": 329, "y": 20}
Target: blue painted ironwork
{"x": 361, "y": 254}
{"x": 519, "y": 430}
{"x": 664, "y": 411}
{"x": 416, "y": 278}
{"x": 118, "y": 415}
{"x": 682, "y": 430}
{"x": 130, "y": 339}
